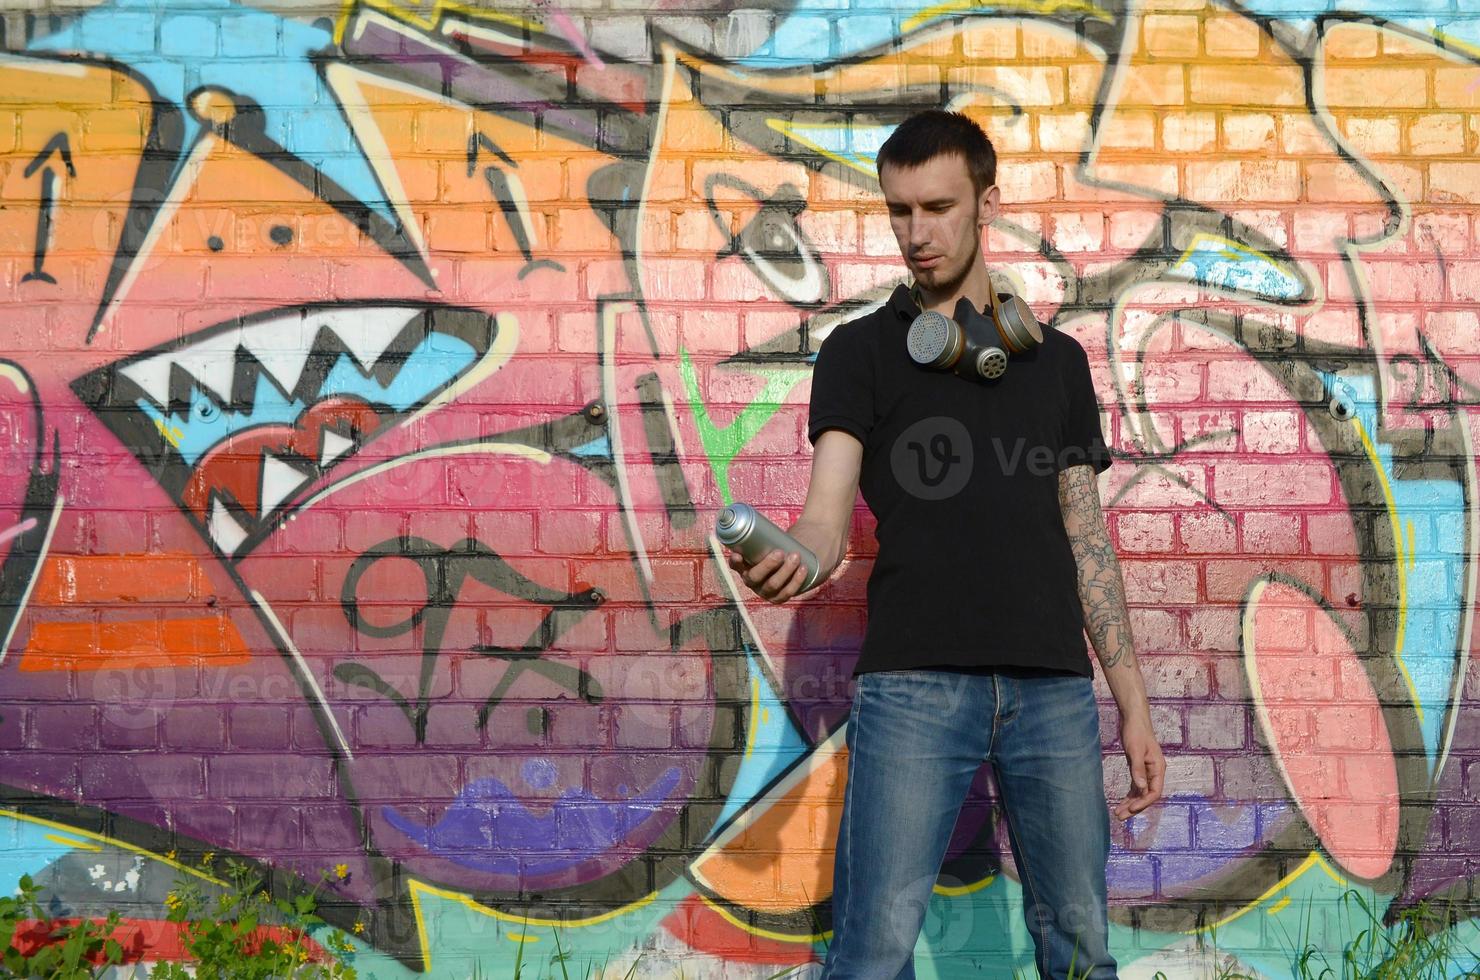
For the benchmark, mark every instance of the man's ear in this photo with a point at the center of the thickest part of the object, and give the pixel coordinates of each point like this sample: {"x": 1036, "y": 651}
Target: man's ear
{"x": 988, "y": 205}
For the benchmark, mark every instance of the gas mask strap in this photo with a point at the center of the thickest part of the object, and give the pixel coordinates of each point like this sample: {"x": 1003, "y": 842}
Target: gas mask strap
{"x": 994, "y": 306}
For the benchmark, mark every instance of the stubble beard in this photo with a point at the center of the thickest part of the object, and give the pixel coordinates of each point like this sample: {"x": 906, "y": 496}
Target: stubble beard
{"x": 932, "y": 280}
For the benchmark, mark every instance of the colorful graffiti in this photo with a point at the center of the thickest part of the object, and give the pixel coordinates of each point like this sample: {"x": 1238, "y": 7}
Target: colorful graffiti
{"x": 368, "y": 386}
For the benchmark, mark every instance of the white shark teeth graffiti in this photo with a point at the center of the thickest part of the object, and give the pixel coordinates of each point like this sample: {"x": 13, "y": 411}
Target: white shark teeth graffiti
{"x": 280, "y": 481}
{"x": 238, "y": 420}
{"x": 281, "y": 346}
{"x": 332, "y": 446}
{"x": 226, "y": 532}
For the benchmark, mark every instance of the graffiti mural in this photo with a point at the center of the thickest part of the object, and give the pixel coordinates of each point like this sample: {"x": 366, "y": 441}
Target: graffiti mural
{"x": 369, "y": 384}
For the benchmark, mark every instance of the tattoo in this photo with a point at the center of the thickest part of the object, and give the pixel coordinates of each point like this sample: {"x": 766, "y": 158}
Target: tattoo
{"x": 1101, "y": 590}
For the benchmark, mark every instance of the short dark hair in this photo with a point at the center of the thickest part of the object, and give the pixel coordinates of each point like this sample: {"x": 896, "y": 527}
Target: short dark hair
{"x": 936, "y": 132}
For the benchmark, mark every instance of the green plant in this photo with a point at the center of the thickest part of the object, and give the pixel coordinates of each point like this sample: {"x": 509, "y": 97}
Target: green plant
{"x": 559, "y": 957}
{"x": 1405, "y": 950}
{"x": 241, "y": 932}
{"x": 41, "y": 945}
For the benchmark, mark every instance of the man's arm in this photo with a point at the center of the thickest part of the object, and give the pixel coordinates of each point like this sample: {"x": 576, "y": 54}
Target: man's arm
{"x": 1108, "y": 623}
{"x": 827, "y": 515}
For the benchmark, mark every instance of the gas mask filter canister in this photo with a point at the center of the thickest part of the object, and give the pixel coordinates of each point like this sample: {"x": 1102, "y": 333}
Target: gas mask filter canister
{"x": 974, "y": 345}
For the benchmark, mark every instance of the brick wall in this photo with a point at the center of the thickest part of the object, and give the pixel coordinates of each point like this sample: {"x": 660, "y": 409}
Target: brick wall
{"x": 370, "y": 378}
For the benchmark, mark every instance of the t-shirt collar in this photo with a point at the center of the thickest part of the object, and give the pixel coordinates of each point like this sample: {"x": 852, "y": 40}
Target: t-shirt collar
{"x": 906, "y": 301}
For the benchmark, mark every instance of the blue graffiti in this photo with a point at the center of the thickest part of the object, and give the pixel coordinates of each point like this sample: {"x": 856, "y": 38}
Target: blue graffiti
{"x": 1430, "y": 552}
{"x": 1218, "y": 263}
{"x": 430, "y": 367}
{"x": 180, "y": 45}
{"x": 488, "y": 828}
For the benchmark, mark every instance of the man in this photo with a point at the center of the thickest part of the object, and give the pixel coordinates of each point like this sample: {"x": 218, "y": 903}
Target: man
{"x": 993, "y": 563}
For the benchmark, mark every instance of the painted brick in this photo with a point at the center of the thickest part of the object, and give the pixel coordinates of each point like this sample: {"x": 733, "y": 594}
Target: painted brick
{"x": 1061, "y": 132}
{"x": 1243, "y": 131}
{"x": 1133, "y": 229}
{"x": 1449, "y": 182}
{"x": 1078, "y": 232}
{"x": 1374, "y": 134}
{"x": 1130, "y": 129}
{"x": 1268, "y": 85}
{"x": 1216, "y": 726}
{"x": 1190, "y": 133}
{"x": 1160, "y": 582}
{"x": 265, "y": 777}
{"x": 1155, "y": 85}
{"x": 1271, "y": 533}
{"x": 1390, "y": 88}
{"x": 1230, "y": 37}
{"x": 1143, "y": 532}
{"x": 1243, "y": 180}
{"x": 1169, "y": 35}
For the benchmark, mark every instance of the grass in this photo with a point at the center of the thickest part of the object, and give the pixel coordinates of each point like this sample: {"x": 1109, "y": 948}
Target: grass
{"x": 1407, "y": 950}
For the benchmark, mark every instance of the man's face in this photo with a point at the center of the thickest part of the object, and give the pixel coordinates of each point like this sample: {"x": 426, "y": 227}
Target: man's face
{"x": 937, "y": 218}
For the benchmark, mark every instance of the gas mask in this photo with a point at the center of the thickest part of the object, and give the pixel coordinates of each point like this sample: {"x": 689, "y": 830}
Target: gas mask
{"x": 975, "y": 345}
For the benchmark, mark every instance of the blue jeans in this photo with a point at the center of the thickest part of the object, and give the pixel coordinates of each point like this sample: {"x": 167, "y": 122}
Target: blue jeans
{"x": 916, "y": 738}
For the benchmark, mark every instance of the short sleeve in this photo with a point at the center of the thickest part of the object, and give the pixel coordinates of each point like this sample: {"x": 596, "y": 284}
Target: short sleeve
{"x": 1084, "y": 439}
{"x": 842, "y": 385}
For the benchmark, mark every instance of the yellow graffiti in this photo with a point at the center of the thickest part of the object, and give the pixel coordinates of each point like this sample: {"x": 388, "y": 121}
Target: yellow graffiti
{"x": 69, "y": 842}
{"x": 96, "y": 840}
{"x": 956, "y": 891}
{"x": 755, "y": 700}
{"x": 755, "y": 930}
{"x": 419, "y": 889}
{"x": 790, "y": 132}
{"x": 171, "y": 433}
{"x": 410, "y": 14}
{"x": 1227, "y": 248}
{"x": 1312, "y": 860}
{"x": 1032, "y": 6}
{"x": 13, "y": 374}
{"x": 1401, "y": 554}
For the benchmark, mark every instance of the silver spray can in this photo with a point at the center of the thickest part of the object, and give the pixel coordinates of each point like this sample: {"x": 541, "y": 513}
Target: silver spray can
{"x": 743, "y": 528}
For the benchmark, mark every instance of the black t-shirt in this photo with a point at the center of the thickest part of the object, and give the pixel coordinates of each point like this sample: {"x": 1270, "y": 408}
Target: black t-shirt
{"x": 974, "y": 569}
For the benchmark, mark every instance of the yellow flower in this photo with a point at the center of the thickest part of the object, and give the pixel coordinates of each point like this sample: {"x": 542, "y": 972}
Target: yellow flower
{"x": 302, "y": 956}
{"x": 169, "y": 855}
{"x": 208, "y": 857}
{"x": 341, "y": 871}
{"x": 359, "y": 928}
{"x": 173, "y": 901}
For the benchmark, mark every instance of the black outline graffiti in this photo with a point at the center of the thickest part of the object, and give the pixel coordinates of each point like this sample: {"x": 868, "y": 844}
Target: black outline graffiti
{"x": 444, "y": 570}
{"x": 63, "y": 148}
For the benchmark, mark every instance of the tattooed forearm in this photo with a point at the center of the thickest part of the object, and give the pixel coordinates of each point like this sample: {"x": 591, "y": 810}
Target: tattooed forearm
{"x": 1101, "y": 591}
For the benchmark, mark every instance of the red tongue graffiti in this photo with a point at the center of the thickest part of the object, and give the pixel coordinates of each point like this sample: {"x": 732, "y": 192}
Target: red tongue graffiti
{"x": 261, "y": 470}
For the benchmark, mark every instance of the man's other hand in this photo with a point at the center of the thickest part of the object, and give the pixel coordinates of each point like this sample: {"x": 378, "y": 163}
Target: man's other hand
{"x": 1148, "y": 768}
